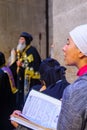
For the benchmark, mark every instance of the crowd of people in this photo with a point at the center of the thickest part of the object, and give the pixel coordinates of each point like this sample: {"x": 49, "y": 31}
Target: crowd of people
{"x": 23, "y": 62}
{"x": 26, "y": 71}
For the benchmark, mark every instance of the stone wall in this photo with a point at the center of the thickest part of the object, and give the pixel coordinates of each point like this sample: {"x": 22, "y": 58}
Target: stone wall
{"x": 67, "y": 14}
{"x": 22, "y": 15}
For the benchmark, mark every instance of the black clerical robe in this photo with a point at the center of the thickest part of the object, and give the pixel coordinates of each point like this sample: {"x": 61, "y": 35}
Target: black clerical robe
{"x": 6, "y": 102}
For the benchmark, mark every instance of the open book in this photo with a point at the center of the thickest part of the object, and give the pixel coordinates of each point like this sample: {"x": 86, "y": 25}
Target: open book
{"x": 40, "y": 112}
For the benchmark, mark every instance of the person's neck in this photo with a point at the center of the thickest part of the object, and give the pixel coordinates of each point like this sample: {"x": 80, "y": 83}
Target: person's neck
{"x": 82, "y": 63}
{"x": 82, "y": 70}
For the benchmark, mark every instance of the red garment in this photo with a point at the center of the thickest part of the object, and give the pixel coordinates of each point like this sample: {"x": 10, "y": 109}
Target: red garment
{"x": 82, "y": 70}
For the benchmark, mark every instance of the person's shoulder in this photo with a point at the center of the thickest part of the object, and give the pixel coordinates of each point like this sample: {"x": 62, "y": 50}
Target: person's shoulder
{"x": 2, "y": 73}
{"x": 3, "y": 76}
{"x": 77, "y": 88}
{"x": 34, "y": 51}
{"x": 81, "y": 82}
{"x": 33, "y": 48}
{"x": 83, "y": 77}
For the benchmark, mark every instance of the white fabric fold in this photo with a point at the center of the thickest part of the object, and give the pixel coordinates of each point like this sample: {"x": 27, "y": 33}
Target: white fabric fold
{"x": 79, "y": 36}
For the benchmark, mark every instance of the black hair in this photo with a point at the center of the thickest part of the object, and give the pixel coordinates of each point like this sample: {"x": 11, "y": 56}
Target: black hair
{"x": 2, "y": 59}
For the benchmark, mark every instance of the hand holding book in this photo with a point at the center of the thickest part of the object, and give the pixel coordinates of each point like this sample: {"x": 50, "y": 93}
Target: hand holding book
{"x": 40, "y": 112}
{"x": 14, "y": 114}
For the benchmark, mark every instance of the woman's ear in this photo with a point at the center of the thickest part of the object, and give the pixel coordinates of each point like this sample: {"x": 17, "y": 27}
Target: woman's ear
{"x": 81, "y": 54}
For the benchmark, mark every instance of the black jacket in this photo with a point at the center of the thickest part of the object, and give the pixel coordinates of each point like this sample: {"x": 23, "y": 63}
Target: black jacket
{"x": 6, "y": 102}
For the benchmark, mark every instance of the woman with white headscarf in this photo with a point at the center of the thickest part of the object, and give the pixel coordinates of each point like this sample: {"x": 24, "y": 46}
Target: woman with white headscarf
{"x": 73, "y": 115}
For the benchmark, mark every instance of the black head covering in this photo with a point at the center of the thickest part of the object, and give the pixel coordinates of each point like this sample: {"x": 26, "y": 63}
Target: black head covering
{"x": 28, "y": 37}
{"x": 51, "y": 71}
{"x": 2, "y": 59}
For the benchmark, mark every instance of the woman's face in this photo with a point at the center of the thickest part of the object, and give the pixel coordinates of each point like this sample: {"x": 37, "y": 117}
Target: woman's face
{"x": 71, "y": 53}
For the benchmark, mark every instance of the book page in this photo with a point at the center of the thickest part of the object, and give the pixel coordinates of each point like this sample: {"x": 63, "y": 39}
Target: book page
{"x": 42, "y": 109}
{"x": 27, "y": 123}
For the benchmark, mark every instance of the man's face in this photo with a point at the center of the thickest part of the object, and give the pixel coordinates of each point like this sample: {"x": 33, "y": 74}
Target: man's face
{"x": 21, "y": 40}
{"x": 21, "y": 44}
{"x": 71, "y": 53}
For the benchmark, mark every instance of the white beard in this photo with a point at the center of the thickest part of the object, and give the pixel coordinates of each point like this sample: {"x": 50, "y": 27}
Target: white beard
{"x": 20, "y": 47}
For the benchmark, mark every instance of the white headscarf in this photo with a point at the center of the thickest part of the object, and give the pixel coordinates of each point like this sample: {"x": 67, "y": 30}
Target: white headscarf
{"x": 79, "y": 36}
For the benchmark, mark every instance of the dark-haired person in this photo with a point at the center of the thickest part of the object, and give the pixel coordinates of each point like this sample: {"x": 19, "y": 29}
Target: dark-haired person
{"x": 26, "y": 56}
{"x": 7, "y": 94}
{"x": 53, "y": 78}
